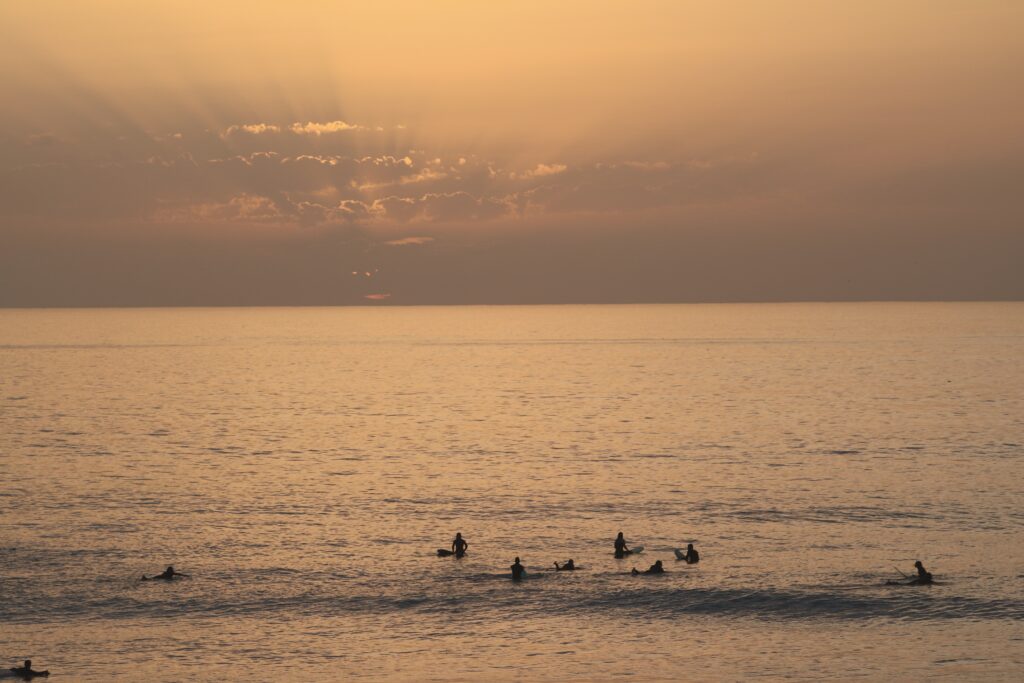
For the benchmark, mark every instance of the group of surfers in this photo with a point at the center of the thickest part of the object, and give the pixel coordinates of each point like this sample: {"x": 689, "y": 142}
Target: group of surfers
{"x": 691, "y": 556}
{"x": 459, "y": 548}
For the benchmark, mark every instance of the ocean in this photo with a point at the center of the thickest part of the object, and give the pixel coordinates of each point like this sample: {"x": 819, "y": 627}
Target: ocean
{"x": 303, "y": 465}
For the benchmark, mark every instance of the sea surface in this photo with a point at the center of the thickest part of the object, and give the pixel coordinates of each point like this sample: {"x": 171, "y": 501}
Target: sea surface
{"x": 304, "y": 464}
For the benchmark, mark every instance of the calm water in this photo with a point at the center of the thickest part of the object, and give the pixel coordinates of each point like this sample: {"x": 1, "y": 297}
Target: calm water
{"x": 303, "y": 465}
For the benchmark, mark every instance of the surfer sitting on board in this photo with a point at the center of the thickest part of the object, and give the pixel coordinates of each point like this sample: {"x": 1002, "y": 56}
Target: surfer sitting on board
{"x": 26, "y": 671}
{"x": 655, "y": 568}
{"x": 517, "y": 570}
{"x": 168, "y": 574}
{"x": 620, "y": 546}
{"x": 923, "y": 578}
{"x": 691, "y": 556}
{"x": 459, "y": 545}
{"x": 567, "y": 567}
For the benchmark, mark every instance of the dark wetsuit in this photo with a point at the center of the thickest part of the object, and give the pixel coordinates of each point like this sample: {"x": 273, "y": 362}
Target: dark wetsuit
{"x": 620, "y": 547}
{"x": 692, "y": 556}
{"x": 459, "y": 546}
{"x": 517, "y": 571}
{"x": 923, "y": 576}
{"x": 27, "y": 673}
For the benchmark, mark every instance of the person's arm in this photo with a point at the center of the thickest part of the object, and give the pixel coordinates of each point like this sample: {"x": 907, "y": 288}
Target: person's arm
{"x": 180, "y": 574}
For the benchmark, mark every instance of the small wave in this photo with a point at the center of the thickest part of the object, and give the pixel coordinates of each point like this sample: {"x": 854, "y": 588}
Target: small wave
{"x": 482, "y": 593}
{"x": 909, "y": 604}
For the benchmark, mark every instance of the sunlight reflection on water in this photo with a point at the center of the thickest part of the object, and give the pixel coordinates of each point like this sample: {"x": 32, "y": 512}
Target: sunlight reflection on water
{"x": 303, "y": 465}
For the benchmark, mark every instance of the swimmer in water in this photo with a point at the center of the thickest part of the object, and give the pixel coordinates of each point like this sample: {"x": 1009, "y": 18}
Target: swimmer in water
{"x": 567, "y": 567}
{"x": 655, "y": 568}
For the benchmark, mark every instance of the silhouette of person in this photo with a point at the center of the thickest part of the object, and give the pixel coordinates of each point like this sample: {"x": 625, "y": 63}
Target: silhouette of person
{"x": 692, "y": 556}
{"x": 459, "y": 545}
{"x": 923, "y": 578}
{"x": 655, "y": 568}
{"x": 517, "y": 570}
{"x": 620, "y": 546}
{"x": 567, "y": 567}
{"x": 26, "y": 671}
{"x": 923, "y": 575}
{"x": 167, "y": 575}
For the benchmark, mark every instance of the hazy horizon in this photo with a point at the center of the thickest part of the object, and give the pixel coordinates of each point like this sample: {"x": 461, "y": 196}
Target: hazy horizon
{"x": 249, "y": 154}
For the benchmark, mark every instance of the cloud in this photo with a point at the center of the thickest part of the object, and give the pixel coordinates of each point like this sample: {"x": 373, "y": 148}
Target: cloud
{"x": 298, "y": 128}
{"x": 251, "y": 129}
{"x": 312, "y": 173}
{"x": 409, "y": 241}
{"x": 452, "y": 207}
{"x": 541, "y": 170}
{"x": 312, "y": 128}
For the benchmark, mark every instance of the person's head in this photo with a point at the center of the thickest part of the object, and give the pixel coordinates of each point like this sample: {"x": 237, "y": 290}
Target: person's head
{"x": 170, "y": 569}
{"x": 689, "y": 546}
{"x": 657, "y": 563}
{"x": 28, "y": 663}
{"x": 458, "y": 534}
{"x": 918, "y": 564}
{"x": 517, "y": 560}
{"x": 569, "y": 563}
{"x": 620, "y": 535}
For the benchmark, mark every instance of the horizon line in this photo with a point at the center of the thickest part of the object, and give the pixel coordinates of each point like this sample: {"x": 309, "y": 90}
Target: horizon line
{"x": 386, "y": 304}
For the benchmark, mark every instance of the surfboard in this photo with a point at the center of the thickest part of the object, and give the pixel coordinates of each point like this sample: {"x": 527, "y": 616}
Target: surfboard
{"x": 442, "y": 552}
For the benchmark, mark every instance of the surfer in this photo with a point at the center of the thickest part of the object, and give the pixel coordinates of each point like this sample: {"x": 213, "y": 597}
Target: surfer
{"x": 459, "y": 545}
{"x": 517, "y": 570}
{"x": 167, "y": 575}
{"x": 923, "y": 575}
{"x": 923, "y": 578}
{"x": 620, "y": 546}
{"x": 655, "y": 568}
{"x": 567, "y": 567}
{"x": 27, "y": 672}
{"x": 691, "y": 556}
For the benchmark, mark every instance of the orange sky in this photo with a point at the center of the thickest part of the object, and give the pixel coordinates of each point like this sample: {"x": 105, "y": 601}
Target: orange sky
{"x": 265, "y": 152}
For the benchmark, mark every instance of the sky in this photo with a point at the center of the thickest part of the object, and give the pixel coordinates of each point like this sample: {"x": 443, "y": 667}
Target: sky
{"x": 452, "y": 152}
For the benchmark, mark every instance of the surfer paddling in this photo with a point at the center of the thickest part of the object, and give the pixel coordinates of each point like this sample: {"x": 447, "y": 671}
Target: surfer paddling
{"x": 167, "y": 575}
{"x": 655, "y": 568}
{"x": 26, "y": 672}
{"x": 567, "y": 567}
